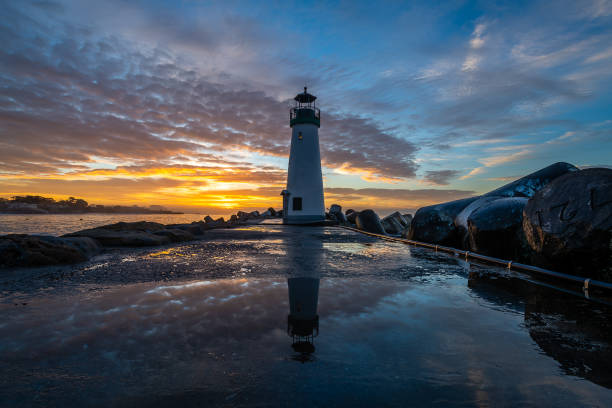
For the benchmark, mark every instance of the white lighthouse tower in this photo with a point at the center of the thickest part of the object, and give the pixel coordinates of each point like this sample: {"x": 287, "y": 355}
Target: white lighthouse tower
{"x": 303, "y": 199}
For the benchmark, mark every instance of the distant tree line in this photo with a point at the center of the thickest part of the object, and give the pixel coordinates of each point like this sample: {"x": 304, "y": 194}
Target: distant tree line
{"x": 32, "y": 204}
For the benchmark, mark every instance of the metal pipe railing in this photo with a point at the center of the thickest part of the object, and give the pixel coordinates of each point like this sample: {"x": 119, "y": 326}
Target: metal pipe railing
{"x": 586, "y": 282}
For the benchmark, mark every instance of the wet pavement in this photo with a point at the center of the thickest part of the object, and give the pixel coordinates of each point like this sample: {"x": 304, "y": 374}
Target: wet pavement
{"x": 272, "y": 315}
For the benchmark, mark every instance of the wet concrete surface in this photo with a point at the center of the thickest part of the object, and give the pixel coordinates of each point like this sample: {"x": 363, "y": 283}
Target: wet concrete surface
{"x": 206, "y": 324}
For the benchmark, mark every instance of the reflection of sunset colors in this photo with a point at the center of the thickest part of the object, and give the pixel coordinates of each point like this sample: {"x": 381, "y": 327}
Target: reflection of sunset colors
{"x": 187, "y": 106}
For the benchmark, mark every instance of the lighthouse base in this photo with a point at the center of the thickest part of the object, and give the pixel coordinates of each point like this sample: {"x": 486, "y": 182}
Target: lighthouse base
{"x": 303, "y": 219}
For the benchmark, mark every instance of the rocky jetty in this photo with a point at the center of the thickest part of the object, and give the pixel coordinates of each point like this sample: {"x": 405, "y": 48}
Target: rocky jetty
{"x": 18, "y": 250}
{"x": 39, "y": 250}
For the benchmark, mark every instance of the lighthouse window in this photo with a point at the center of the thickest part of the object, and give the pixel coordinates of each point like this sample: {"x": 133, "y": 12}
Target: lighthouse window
{"x": 297, "y": 203}
{"x": 300, "y": 135}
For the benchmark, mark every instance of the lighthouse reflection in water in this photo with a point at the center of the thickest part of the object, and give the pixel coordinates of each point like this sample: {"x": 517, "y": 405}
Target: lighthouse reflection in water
{"x": 303, "y": 284}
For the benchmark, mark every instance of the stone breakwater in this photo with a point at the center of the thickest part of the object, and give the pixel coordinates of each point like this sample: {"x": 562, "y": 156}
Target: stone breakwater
{"x": 557, "y": 218}
{"x": 17, "y": 250}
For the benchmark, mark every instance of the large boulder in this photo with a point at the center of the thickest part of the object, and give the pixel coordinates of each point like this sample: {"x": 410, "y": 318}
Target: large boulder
{"x": 208, "y": 219}
{"x": 395, "y": 223}
{"x": 569, "y": 223}
{"x": 368, "y": 220}
{"x": 436, "y": 223}
{"x": 40, "y": 250}
{"x": 272, "y": 211}
{"x": 496, "y": 229}
{"x": 527, "y": 186}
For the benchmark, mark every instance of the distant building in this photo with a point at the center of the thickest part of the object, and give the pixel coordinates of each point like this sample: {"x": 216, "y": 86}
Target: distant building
{"x": 303, "y": 201}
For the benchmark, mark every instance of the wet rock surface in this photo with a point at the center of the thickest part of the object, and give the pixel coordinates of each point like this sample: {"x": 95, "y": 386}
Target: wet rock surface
{"x": 368, "y": 220}
{"x": 569, "y": 223}
{"x": 38, "y": 250}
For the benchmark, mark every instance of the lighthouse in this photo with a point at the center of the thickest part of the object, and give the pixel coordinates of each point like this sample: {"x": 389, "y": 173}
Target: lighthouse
{"x": 303, "y": 198}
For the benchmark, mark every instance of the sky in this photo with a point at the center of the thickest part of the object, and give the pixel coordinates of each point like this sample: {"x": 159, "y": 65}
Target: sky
{"x": 186, "y": 103}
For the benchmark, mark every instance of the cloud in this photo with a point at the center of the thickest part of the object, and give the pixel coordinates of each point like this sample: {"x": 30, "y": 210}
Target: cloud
{"x": 440, "y": 177}
{"x": 473, "y": 172}
{"x": 71, "y": 99}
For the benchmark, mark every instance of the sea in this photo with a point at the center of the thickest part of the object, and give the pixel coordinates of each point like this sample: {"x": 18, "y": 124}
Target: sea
{"x": 60, "y": 224}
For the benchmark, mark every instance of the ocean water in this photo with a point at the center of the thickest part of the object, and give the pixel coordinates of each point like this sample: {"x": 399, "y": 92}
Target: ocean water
{"x": 274, "y": 315}
{"x": 59, "y": 224}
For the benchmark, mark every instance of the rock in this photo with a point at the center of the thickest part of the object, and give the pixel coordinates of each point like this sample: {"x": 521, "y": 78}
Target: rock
{"x": 527, "y": 186}
{"x": 407, "y": 217}
{"x": 234, "y": 218}
{"x": 242, "y": 215}
{"x": 279, "y": 213}
{"x": 569, "y": 224}
{"x": 40, "y": 250}
{"x": 121, "y": 238}
{"x": 351, "y": 216}
{"x": 129, "y": 234}
{"x": 496, "y": 229}
{"x": 461, "y": 220}
{"x": 208, "y": 219}
{"x": 436, "y": 223}
{"x": 195, "y": 228}
{"x": 368, "y": 220}
{"x": 266, "y": 214}
{"x": 394, "y": 223}
{"x": 254, "y": 214}
{"x": 336, "y": 211}
{"x": 175, "y": 234}
{"x": 406, "y": 233}
{"x": 272, "y": 211}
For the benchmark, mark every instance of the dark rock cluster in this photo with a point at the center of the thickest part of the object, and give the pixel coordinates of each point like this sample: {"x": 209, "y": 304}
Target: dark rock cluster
{"x": 559, "y": 218}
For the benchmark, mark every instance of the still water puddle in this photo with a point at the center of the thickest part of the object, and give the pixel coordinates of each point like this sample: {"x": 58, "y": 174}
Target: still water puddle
{"x": 389, "y": 326}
